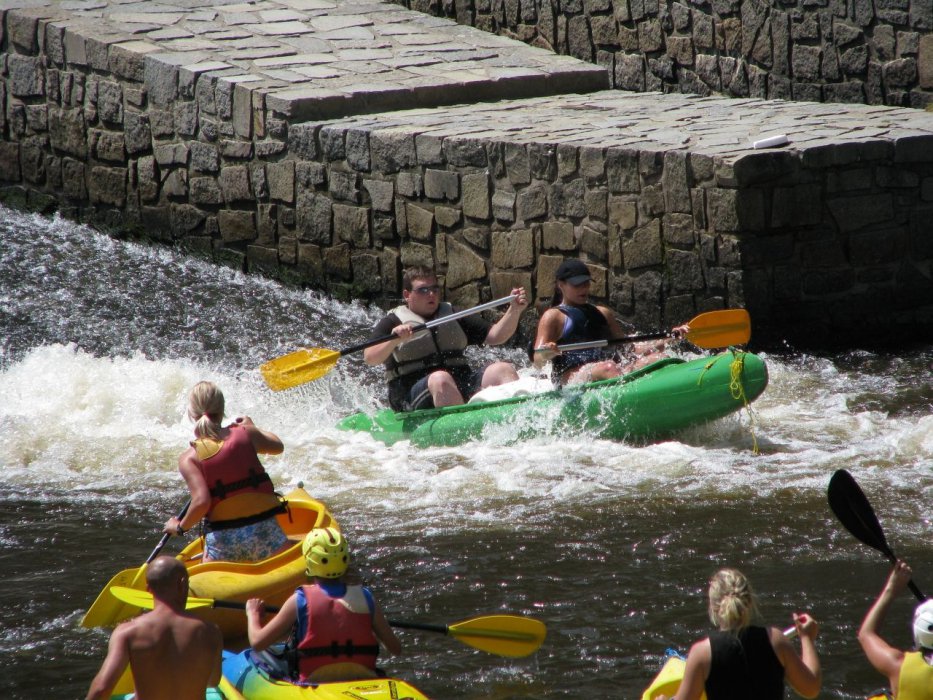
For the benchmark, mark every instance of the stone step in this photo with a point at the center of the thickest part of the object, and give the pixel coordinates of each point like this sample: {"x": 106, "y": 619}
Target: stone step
{"x": 315, "y": 59}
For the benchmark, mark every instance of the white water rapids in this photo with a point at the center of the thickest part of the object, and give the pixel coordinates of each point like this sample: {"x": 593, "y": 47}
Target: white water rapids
{"x": 609, "y": 544}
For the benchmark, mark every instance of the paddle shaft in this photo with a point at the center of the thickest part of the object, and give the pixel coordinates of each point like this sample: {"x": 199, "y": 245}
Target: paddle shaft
{"x": 424, "y": 626}
{"x": 590, "y": 344}
{"x": 708, "y": 330}
{"x": 158, "y": 548}
{"x": 401, "y": 624}
{"x": 910, "y": 584}
{"x": 505, "y": 635}
{"x": 166, "y": 536}
{"x": 430, "y": 324}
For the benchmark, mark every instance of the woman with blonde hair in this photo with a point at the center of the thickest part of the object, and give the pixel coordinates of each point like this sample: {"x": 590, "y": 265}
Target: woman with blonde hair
{"x": 229, "y": 487}
{"x": 742, "y": 660}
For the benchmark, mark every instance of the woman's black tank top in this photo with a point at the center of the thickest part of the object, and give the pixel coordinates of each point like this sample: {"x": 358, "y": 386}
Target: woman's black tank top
{"x": 744, "y": 667}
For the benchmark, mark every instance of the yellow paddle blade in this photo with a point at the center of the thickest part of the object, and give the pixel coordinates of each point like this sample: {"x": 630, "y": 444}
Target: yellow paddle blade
{"x": 143, "y": 599}
{"x": 506, "y": 635}
{"x": 107, "y": 611}
{"x": 298, "y": 367}
{"x": 720, "y": 329}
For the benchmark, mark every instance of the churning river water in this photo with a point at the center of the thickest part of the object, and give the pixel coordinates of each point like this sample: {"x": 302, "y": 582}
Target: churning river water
{"x": 609, "y": 544}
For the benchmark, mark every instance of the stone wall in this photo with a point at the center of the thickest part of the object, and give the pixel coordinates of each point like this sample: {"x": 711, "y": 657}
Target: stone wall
{"x": 853, "y": 51}
{"x": 661, "y": 194}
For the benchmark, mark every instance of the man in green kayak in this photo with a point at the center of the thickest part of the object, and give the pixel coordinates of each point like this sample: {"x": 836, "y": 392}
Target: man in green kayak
{"x": 428, "y": 369}
{"x": 173, "y": 655}
{"x": 909, "y": 673}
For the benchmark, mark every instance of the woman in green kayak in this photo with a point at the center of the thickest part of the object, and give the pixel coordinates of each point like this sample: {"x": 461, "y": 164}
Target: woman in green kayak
{"x": 741, "y": 660}
{"x": 573, "y": 319}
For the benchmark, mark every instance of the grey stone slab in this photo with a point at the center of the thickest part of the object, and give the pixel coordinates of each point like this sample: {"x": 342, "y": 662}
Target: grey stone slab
{"x": 225, "y": 35}
{"x": 235, "y": 18}
{"x": 295, "y": 59}
{"x": 153, "y": 18}
{"x": 191, "y": 44}
{"x": 285, "y": 76}
{"x": 282, "y": 16}
{"x": 257, "y": 53}
{"x": 169, "y": 33}
{"x": 280, "y": 28}
{"x": 309, "y": 4}
{"x": 318, "y": 72}
{"x": 329, "y": 23}
{"x": 349, "y": 34}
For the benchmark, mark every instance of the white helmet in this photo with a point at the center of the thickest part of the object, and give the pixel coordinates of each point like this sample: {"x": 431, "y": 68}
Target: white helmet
{"x": 923, "y": 625}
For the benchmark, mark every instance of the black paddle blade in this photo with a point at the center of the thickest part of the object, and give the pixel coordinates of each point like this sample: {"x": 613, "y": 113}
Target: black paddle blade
{"x": 848, "y": 502}
{"x": 850, "y": 505}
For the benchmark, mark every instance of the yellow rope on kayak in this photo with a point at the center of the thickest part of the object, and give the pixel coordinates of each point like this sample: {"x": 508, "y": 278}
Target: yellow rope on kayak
{"x": 736, "y": 388}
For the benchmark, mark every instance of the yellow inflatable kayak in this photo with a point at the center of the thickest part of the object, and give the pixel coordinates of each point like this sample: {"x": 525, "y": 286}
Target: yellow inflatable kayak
{"x": 256, "y": 684}
{"x": 667, "y": 682}
{"x": 224, "y": 691}
{"x": 273, "y": 579}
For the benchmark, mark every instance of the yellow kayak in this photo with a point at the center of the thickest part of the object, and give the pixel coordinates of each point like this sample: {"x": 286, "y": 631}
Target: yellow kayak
{"x": 125, "y": 690}
{"x": 667, "y": 682}
{"x": 273, "y": 579}
{"x": 256, "y": 684}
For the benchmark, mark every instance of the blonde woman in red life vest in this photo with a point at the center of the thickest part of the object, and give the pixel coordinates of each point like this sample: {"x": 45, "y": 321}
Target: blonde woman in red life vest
{"x": 336, "y": 627}
{"x": 230, "y": 489}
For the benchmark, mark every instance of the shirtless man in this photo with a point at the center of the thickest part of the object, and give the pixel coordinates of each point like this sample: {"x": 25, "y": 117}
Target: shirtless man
{"x": 173, "y": 655}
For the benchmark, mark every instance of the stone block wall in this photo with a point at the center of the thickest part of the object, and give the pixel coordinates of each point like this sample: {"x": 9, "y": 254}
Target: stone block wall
{"x": 672, "y": 210}
{"x": 852, "y": 51}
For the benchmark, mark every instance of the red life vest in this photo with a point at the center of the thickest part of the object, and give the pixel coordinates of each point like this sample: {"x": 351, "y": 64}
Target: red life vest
{"x": 234, "y": 468}
{"x": 334, "y": 629}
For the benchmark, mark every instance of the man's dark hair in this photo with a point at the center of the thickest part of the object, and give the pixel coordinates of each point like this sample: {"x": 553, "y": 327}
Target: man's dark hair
{"x": 416, "y": 272}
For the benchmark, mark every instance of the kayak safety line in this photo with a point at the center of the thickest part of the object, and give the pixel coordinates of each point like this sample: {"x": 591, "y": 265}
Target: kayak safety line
{"x": 736, "y": 388}
{"x": 736, "y": 369}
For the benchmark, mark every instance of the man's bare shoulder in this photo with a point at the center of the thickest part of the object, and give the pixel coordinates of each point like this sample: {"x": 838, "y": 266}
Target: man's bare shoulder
{"x": 205, "y": 631}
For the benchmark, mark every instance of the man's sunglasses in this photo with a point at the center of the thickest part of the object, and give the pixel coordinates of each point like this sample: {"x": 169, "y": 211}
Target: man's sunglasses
{"x": 432, "y": 289}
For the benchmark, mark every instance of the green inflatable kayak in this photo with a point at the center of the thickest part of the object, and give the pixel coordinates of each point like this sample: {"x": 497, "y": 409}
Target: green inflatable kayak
{"x": 653, "y": 402}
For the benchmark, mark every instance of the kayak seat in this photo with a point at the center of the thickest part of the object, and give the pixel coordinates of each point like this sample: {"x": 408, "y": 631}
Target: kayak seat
{"x": 274, "y": 663}
{"x": 342, "y": 671}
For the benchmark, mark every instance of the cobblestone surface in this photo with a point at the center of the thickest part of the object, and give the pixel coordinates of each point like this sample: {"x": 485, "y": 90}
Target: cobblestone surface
{"x": 318, "y": 58}
{"x": 709, "y": 126}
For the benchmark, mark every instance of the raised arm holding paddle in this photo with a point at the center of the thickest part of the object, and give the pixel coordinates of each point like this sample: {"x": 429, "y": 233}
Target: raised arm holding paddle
{"x": 909, "y": 673}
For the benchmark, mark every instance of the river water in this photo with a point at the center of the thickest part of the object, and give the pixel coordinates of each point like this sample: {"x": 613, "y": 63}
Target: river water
{"x": 609, "y": 544}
